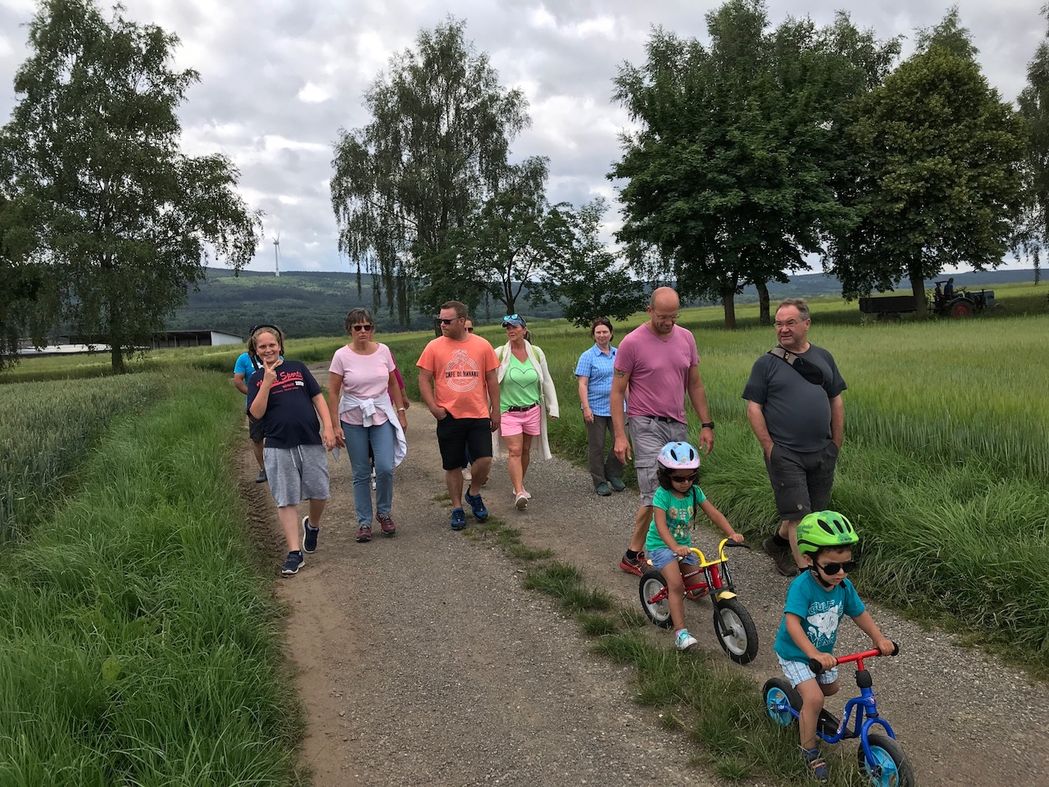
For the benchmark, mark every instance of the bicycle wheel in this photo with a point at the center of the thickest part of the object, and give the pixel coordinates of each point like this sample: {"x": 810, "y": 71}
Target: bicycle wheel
{"x": 653, "y": 592}
{"x": 778, "y": 693}
{"x": 890, "y": 768}
{"x": 735, "y": 630}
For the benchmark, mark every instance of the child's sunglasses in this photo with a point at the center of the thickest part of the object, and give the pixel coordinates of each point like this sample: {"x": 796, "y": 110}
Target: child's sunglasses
{"x": 683, "y": 479}
{"x": 830, "y": 569}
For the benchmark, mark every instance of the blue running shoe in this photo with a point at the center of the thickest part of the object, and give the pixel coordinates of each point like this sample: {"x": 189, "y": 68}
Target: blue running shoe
{"x": 477, "y": 506}
{"x": 292, "y": 563}
{"x": 309, "y": 535}
{"x": 458, "y": 519}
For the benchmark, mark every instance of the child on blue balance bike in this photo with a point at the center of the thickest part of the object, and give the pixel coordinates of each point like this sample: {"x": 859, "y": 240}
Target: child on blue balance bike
{"x": 677, "y": 501}
{"x": 816, "y": 601}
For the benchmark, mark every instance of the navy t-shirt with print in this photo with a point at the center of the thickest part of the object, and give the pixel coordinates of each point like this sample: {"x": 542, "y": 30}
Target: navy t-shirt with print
{"x": 290, "y": 418}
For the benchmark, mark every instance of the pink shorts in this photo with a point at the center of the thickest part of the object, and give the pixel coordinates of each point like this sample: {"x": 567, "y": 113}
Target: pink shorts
{"x": 518, "y": 422}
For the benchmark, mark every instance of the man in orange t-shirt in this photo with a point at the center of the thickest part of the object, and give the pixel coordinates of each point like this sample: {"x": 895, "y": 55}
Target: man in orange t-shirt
{"x": 459, "y": 384}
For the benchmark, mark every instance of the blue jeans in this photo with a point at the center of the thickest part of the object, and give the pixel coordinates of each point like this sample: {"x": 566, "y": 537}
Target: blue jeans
{"x": 381, "y": 439}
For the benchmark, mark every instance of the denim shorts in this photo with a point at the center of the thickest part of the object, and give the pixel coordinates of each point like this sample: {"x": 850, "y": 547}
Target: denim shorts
{"x": 664, "y": 556}
{"x": 799, "y": 672}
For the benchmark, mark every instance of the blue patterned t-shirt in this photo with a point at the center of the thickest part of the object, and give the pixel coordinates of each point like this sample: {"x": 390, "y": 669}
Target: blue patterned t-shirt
{"x": 820, "y": 611}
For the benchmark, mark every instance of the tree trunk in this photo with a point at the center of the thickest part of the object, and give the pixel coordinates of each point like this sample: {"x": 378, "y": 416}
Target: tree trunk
{"x": 918, "y": 291}
{"x": 1037, "y": 271}
{"x": 764, "y": 318}
{"x": 728, "y": 301}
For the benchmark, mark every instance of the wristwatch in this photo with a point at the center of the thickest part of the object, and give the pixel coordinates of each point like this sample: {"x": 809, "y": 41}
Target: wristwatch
{"x": 707, "y": 424}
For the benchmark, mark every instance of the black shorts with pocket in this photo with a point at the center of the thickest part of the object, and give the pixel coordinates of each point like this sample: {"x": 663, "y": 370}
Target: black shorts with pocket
{"x": 801, "y": 482}
{"x": 455, "y": 435}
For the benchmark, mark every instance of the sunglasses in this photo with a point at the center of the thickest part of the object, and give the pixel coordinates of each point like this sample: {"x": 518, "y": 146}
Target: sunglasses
{"x": 470, "y": 329}
{"x": 448, "y": 321}
{"x": 683, "y": 479}
{"x": 363, "y": 327}
{"x": 830, "y": 569}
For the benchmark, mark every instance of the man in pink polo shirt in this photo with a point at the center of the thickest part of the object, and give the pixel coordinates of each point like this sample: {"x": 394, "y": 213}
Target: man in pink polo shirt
{"x": 659, "y": 363}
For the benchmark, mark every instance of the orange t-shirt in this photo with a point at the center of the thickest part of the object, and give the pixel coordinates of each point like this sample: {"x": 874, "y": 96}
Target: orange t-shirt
{"x": 458, "y": 370}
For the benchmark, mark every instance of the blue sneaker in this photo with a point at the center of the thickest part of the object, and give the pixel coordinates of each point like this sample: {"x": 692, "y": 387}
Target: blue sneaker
{"x": 477, "y": 506}
{"x": 309, "y": 535}
{"x": 292, "y": 563}
{"x": 458, "y": 519}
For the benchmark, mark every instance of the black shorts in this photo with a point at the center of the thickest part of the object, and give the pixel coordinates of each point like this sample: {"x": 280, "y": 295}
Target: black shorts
{"x": 801, "y": 482}
{"x": 455, "y": 435}
{"x": 255, "y": 430}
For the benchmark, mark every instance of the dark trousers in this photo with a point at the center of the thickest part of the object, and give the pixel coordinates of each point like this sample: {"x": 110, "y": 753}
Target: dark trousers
{"x": 602, "y": 468}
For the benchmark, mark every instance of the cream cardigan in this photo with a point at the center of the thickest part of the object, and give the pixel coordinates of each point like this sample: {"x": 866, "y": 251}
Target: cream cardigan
{"x": 548, "y": 394}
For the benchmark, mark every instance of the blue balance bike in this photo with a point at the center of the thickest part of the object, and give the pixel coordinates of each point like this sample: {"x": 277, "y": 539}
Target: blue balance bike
{"x": 880, "y": 757}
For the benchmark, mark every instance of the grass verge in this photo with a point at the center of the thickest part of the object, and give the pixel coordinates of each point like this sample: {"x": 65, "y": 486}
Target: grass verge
{"x": 140, "y": 646}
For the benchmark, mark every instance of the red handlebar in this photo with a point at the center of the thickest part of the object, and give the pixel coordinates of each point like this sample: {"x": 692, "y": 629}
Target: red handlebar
{"x": 858, "y": 657}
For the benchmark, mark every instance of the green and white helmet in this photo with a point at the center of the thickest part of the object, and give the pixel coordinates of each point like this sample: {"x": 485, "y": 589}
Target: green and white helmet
{"x": 823, "y": 530}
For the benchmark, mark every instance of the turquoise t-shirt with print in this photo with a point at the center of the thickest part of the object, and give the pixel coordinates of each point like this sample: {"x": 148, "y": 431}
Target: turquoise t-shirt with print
{"x": 680, "y": 513}
{"x": 820, "y": 611}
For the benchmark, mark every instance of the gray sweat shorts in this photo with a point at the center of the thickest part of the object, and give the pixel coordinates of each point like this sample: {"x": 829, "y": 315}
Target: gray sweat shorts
{"x": 296, "y": 474}
{"x": 648, "y": 435}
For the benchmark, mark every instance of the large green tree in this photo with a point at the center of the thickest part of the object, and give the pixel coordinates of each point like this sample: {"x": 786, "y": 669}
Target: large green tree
{"x": 936, "y": 177}
{"x": 1033, "y": 104}
{"x": 435, "y": 149}
{"x": 730, "y": 175}
{"x": 586, "y": 277}
{"x": 119, "y": 218}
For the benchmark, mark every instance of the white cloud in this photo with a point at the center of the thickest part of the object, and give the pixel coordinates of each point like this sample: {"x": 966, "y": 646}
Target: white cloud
{"x": 314, "y": 94}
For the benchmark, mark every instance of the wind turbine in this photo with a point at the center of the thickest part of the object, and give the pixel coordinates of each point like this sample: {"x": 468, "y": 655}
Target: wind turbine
{"x": 276, "y": 254}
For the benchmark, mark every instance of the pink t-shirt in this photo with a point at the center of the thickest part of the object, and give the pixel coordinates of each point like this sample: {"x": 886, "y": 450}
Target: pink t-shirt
{"x": 363, "y": 376}
{"x": 658, "y": 370}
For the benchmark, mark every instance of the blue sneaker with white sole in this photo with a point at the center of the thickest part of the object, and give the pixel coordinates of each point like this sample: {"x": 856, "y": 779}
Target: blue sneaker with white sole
{"x": 458, "y": 519}
{"x": 476, "y": 506}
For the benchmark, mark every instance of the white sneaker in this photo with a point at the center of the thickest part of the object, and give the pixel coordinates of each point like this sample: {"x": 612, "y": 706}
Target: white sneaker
{"x": 520, "y": 502}
{"x": 685, "y": 641}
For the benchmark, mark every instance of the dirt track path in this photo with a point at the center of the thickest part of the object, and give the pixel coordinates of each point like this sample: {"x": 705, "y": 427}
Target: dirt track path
{"x": 464, "y": 678}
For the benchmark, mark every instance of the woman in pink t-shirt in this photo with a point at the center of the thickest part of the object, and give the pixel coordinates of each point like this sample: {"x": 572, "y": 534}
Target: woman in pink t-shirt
{"x": 366, "y": 401}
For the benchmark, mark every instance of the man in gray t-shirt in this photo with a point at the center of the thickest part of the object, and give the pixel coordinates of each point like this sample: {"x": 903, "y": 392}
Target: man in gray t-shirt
{"x": 795, "y": 408}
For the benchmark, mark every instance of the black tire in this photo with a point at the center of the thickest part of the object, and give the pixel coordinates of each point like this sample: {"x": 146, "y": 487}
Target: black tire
{"x": 735, "y": 630}
{"x": 776, "y": 690}
{"x": 894, "y": 769}
{"x": 651, "y": 584}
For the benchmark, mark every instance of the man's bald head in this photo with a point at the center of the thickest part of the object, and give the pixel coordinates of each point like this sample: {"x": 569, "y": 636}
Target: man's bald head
{"x": 663, "y": 306}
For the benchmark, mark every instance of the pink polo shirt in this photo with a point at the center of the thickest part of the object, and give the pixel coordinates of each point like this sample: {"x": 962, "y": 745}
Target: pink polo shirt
{"x": 658, "y": 369}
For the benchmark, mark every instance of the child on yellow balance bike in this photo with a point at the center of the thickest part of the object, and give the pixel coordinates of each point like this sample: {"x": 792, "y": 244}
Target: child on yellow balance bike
{"x": 674, "y": 509}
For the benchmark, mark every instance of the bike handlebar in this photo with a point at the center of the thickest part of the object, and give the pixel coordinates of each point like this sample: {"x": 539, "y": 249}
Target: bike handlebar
{"x": 817, "y": 668}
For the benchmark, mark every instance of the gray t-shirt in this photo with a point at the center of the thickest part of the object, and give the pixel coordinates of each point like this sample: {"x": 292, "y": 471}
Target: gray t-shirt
{"x": 797, "y": 412}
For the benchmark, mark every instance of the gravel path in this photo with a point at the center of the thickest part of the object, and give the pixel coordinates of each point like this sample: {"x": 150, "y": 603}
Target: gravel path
{"x": 421, "y": 658}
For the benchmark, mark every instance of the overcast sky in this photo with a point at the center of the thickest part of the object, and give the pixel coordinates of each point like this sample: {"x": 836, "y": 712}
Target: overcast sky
{"x": 279, "y": 78}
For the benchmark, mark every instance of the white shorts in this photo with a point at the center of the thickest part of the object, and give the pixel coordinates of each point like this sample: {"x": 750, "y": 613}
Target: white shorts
{"x": 799, "y": 672}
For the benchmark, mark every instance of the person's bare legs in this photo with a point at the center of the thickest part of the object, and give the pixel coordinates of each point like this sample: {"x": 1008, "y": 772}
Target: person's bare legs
{"x": 788, "y": 529}
{"x": 526, "y": 456}
{"x": 453, "y": 479}
{"x": 480, "y": 468}
{"x": 316, "y": 512}
{"x": 514, "y": 461}
{"x": 289, "y": 523}
{"x": 642, "y": 519}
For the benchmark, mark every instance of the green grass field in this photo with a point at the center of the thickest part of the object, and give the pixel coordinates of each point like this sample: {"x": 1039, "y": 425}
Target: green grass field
{"x": 140, "y": 645}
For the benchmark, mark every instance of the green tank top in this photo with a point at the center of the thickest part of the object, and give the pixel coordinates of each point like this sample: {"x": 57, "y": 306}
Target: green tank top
{"x": 520, "y": 385}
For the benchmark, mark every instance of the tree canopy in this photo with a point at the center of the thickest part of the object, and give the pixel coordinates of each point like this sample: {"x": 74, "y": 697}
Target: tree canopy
{"x": 435, "y": 149}
{"x": 119, "y": 219}
{"x": 937, "y": 171}
{"x": 730, "y": 177}
{"x": 1033, "y": 105}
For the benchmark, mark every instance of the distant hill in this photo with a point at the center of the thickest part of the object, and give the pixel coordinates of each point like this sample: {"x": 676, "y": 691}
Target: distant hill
{"x": 307, "y": 303}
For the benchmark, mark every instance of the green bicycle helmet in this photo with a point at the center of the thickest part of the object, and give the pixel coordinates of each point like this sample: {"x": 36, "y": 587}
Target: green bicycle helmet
{"x": 823, "y": 529}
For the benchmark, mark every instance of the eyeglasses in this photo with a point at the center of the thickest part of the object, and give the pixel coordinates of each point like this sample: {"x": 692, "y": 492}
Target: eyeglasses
{"x": 787, "y": 323}
{"x": 448, "y": 321}
{"x": 830, "y": 569}
{"x": 684, "y": 479}
{"x": 363, "y": 327}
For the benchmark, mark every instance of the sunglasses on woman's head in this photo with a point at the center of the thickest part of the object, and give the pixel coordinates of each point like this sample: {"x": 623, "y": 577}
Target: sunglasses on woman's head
{"x": 830, "y": 569}
{"x": 682, "y": 479}
{"x": 363, "y": 327}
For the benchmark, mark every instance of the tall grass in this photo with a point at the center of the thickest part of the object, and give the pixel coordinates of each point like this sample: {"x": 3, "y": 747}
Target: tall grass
{"x": 139, "y": 647}
{"x": 46, "y": 429}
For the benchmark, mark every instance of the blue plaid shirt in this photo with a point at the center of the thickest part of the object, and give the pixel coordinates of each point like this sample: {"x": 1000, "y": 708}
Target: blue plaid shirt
{"x": 597, "y": 367}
